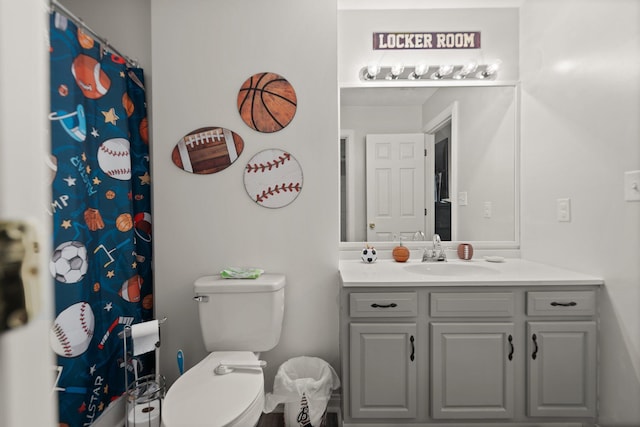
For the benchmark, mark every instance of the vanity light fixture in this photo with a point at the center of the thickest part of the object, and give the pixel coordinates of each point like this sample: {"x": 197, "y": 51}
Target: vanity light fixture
{"x": 470, "y": 71}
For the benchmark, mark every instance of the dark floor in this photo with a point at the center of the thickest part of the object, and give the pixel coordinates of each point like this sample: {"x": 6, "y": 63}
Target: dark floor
{"x": 277, "y": 420}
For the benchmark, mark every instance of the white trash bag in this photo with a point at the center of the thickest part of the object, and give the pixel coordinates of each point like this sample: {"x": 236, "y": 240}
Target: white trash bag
{"x": 304, "y": 384}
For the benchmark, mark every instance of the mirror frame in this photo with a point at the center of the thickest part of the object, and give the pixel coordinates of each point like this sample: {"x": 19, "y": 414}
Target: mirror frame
{"x": 416, "y": 245}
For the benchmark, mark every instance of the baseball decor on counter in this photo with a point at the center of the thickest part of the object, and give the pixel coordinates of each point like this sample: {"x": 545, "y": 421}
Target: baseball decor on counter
{"x": 267, "y": 102}
{"x": 207, "y": 150}
{"x": 273, "y": 178}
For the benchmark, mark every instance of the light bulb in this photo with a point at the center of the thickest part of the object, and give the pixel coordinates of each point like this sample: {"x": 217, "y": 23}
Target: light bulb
{"x": 395, "y": 72}
{"x": 372, "y": 71}
{"x": 419, "y": 71}
{"x": 490, "y": 70}
{"x": 469, "y": 68}
{"x": 443, "y": 71}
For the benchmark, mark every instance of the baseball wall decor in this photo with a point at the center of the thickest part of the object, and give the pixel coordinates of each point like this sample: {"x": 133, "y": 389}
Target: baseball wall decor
{"x": 267, "y": 102}
{"x": 207, "y": 150}
{"x": 273, "y": 178}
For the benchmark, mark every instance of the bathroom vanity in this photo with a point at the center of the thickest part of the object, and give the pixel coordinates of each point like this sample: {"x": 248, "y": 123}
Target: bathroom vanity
{"x": 468, "y": 343}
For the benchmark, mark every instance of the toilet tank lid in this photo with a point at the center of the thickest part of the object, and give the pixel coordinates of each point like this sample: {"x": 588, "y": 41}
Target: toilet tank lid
{"x": 268, "y": 282}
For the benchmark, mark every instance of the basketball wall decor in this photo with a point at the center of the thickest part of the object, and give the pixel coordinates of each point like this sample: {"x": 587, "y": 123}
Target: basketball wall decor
{"x": 273, "y": 178}
{"x": 207, "y": 150}
{"x": 267, "y": 102}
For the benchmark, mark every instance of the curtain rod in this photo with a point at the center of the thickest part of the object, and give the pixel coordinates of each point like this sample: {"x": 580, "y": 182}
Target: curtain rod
{"x": 55, "y": 5}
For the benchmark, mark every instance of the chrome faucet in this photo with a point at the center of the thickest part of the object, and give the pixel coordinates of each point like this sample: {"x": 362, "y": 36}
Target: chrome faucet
{"x": 435, "y": 254}
{"x": 419, "y": 236}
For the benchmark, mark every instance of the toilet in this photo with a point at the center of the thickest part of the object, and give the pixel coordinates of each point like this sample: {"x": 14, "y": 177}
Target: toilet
{"x": 239, "y": 318}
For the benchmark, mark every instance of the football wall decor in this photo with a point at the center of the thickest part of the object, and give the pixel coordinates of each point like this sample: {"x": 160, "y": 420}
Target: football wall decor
{"x": 267, "y": 102}
{"x": 207, "y": 150}
{"x": 273, "y": 178}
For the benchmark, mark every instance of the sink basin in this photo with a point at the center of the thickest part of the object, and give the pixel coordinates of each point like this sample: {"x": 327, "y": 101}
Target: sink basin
{"x": 450, "y": 269}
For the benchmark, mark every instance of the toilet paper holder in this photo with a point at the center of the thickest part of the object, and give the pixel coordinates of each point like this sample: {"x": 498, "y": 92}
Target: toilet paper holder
{"x": 124, "y": 334}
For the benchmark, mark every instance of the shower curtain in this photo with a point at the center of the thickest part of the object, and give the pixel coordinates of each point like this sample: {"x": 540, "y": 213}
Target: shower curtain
{"x": 101, "y": 258}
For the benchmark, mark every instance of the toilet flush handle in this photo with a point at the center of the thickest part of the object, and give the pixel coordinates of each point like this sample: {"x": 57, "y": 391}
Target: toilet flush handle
{"x": 228, "y": 367}
{"x": 201, "y": 298}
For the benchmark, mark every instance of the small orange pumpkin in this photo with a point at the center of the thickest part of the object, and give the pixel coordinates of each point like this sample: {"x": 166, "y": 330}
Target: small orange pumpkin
{"x": 400, "y": 253}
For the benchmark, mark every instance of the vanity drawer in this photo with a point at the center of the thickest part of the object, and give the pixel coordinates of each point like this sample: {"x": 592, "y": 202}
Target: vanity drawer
{"x": 472, "y": 304}
{"x": 561, "y": 303}
{"x": 383, "y": 304}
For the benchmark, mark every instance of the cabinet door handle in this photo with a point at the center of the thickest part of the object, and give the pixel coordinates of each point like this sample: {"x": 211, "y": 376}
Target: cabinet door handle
{"x": 413, "y": 348}
{"x": 511, "y": 344}
{"x": 534, "y": 337}
{"x": 376, "y": 305}
{"x": 564, "y": 304}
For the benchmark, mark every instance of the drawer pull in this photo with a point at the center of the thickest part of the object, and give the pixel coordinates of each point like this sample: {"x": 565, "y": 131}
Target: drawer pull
{"x": 511, "y": 344}
{"x": 392, "y": 305}
{"x": 413, "y": 348}
{"x": 564, "y": 304}
{"x": 535, "y": 342}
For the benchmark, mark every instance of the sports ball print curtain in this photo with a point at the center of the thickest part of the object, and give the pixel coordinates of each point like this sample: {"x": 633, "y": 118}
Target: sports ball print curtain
{"x": 101, "y": 258}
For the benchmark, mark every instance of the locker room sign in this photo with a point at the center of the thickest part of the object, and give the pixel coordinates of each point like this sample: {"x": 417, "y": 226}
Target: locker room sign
{"x": 427, "y": 40}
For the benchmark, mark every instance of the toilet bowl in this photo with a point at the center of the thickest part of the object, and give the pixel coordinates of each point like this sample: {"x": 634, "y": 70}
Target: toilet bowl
{"x": 201, "y": 397}
{"x": 238, "y": 318}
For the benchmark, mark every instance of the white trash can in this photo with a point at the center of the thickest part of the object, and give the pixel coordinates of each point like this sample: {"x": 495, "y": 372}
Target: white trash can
{"x": 304, "y": 384}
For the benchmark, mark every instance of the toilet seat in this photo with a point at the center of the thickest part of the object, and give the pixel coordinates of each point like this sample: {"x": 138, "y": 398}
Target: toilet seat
{"x": 202, "y": 398}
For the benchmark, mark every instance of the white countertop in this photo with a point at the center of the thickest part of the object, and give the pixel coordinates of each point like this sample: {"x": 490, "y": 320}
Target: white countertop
{"x": 511, "y": 272}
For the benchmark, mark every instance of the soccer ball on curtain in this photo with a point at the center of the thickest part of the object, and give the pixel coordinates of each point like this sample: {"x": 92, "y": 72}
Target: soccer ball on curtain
{"x": 69, "y": 262}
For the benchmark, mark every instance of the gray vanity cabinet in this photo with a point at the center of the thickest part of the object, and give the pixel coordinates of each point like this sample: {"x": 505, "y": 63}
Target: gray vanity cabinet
{"x": 382, "y": 354}
{"x": 472, "y": 356}
{"x": 472, "y": 370}
{"x": 561, "y": 353}
{"x": 562, "y": 369}
{"x": 383, "y": 385}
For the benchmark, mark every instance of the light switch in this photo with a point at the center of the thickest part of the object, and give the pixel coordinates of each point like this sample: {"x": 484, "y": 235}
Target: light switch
{"x": 462, "y": 198}
{"x": 632, "y": 186}
{"x": 564, "y": 210}
{"x": 487, "y": 210}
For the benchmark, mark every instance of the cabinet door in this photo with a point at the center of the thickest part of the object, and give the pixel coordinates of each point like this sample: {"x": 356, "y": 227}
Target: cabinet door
{"x": 382, "y": 365}
{"x": 472, "y": 370}
{"x": 562, "y": 369}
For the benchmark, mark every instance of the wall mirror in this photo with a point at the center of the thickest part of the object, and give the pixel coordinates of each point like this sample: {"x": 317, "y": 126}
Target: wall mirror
{"x": 466, "y": 188}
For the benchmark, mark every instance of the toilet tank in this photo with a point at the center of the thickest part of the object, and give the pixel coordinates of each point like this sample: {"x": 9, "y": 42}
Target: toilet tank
{"x": 240, "y": 314}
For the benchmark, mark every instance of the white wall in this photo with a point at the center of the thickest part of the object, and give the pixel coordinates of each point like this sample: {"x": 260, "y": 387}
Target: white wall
{"x": 580, "y": 70}
{"x": 202, "y": 52}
